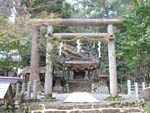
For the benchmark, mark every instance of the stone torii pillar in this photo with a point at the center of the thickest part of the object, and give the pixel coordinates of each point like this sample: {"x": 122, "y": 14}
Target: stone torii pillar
{"x": 49, "y": 68}
{"x": 35, "y": 54}
{"x": 112, "y": 64}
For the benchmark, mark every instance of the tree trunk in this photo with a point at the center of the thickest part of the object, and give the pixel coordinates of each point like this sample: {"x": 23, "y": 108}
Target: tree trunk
{"x": 35, "y": 55}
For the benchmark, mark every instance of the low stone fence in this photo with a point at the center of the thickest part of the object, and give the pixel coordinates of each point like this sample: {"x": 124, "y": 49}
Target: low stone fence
{"x": 86, "y": 108}
{"x": 25, "y": 89}
{"x": 136, "y": 88}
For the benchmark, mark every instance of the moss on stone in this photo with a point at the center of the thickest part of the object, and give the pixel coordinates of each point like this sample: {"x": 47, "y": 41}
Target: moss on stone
{"x": 147, "y": 108}
{"x": 113, "y": 98}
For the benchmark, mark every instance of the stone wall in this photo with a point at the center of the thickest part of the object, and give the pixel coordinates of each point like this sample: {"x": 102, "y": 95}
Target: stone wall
{"x": 86, "y": 108}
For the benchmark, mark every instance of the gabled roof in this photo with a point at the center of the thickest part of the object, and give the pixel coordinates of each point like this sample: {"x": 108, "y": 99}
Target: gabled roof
{"x": 82, "y": 65}
{"x": 12, "y": 80}
{"x": 3, "y": 89}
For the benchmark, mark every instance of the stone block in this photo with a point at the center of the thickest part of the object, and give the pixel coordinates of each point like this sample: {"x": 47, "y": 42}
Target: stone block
{"x": 145, "y": 94}
{"x": 133, "y": 110}
{"x": 36, "y": 107}
{"x": 65, "y": 107}
{"x": 38, "y": 112}
{"x": 60, "y": 107}
{"x": 99, "y": 106}
{"x": 75, "y": 111}
{"x": 82, "y": 106}
{"x": 110, "y": 111}
{"x": 91, "y": 111}
{"x": 55, "y": 111}
{"x": 51, "y": 106}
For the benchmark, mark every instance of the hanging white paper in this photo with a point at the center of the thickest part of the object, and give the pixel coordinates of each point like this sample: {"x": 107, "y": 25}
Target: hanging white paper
{"x": 99, "y": 49}
{"x": 78, "y": 45}
{"x": 60, "y": 48}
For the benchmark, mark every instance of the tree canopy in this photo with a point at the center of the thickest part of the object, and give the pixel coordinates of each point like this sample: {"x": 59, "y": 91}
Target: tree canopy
{"x": 133, "y": 49}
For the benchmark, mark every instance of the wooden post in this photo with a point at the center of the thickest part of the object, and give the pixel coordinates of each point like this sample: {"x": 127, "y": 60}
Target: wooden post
{"x": 86, "y": 75}
{"x": 35, "y": 89}
{"x": 35, "y": 54}
{"x": 143, "y": 85}
{"x": 23, "y": 87}
{"x": 17, "y": 89}
{"x": 49, "y": 67}
{"x": 68, "y": 73}
{"x": 29, "y": 89}
{"x": 129, "y": 88}
{"x": 112, "y": 64}
{"x": 136, "y": 90}
{"x": 71, "y": 75}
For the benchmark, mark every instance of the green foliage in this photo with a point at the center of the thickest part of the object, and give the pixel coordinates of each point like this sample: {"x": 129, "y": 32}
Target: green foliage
{"x": 63, "y": 82}
{"x": 44, "y": 8}
{"x": 134, "y": 50}
{"x": 99, "y": 8}
{"x": 56, "y": 9}
{"x": 26, "y": 109}
{"x": 14, "y": 40}
{"x": 123, "y": 87}
{"x": 96, "y": 81}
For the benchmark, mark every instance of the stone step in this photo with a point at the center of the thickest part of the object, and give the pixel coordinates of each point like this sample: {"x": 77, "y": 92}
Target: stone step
{"x": 84, "y": 108}
{"x": 89, "y": 111}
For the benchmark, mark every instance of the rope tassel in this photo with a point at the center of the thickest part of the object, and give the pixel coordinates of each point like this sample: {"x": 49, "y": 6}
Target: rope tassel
{"x": 78, "y": 45}
{"x": 99, "y": 49}
{"x": 60, "y": 48}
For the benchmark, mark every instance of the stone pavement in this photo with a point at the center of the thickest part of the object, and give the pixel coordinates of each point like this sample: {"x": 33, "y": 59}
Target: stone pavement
{"x": 60, "y": 97}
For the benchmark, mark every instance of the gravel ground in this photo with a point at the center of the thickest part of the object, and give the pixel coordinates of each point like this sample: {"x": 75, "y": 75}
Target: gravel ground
{"x": 61, "y": 97}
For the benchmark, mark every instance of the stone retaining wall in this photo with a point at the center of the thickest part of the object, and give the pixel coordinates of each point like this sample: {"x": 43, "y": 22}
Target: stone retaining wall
{"x": 86, "y": 108}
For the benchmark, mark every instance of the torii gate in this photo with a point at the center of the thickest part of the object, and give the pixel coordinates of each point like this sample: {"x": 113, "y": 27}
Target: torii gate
{"x": 76, "y": 22}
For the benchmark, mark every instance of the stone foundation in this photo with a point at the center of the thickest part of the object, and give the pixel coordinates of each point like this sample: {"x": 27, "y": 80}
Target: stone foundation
{"x": 80, "y": 85}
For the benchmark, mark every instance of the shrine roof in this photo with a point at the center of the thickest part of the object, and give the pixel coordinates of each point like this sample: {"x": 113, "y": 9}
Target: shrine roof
{"x": 82, "y": 65}
{"x": 12, "y": 80}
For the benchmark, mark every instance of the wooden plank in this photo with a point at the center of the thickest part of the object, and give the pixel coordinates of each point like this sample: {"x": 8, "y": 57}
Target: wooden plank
{"x": 76, "y": 22}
